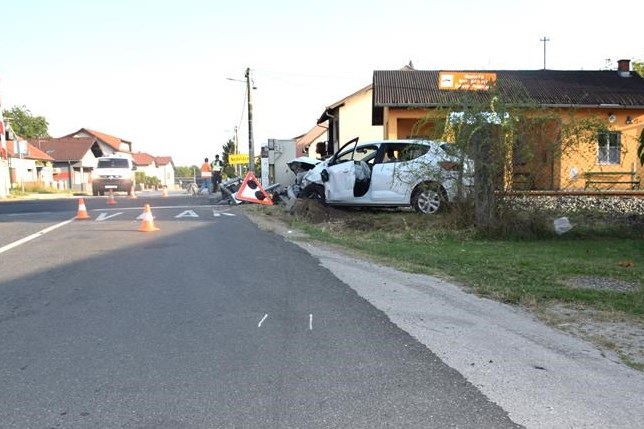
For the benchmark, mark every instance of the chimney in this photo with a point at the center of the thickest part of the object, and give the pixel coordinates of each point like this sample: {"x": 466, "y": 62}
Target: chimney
{"x": 624, "y": 68}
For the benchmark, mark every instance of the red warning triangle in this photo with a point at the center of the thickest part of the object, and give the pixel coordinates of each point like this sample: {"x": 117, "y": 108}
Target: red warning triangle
{"x": 251, "y": 191}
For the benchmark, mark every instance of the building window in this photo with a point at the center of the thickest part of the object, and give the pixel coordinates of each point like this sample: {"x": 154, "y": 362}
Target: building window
{"x": 608, "y": 148}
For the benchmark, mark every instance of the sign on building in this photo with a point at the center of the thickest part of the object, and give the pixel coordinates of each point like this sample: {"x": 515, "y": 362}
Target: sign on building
{"x": 466, "y": 81}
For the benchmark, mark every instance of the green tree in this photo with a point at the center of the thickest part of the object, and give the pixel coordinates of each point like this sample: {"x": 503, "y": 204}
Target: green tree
{"x": 26, "y": 125}
{"x": 228, "y": 149}
{"x": 638, "y": 66}
{"x": 504, "y": 135}
{"x": 185, "y": 171}
{"x": 640, "y": 149}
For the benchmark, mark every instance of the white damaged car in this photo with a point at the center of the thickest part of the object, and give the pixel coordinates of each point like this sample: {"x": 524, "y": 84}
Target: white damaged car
{"x": 423, "y": 174}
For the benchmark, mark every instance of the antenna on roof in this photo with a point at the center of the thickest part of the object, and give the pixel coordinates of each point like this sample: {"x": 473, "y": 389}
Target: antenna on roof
{"x": 544, "y": 40}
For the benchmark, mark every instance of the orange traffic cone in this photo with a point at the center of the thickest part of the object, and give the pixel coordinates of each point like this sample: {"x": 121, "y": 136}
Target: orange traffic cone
{"x": 82, "y": 210}
{"x": 147, "y": 224}
{"x": 110, "y": 199}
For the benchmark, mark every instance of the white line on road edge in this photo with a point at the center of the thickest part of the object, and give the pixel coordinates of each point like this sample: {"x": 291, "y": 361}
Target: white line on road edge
{"x": 32, "y": 236}
{"x": 259, "y": 325}
{"x": 310, "y": 322}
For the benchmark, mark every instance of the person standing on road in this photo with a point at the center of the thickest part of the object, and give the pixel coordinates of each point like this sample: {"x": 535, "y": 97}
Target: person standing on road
{"x": 206, "y": 173}
{"x": 216, "y": 166}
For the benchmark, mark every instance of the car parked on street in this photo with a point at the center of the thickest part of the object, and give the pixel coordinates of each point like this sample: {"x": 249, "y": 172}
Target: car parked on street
{"x": 113, "y": 173}
{"x": 422, "y": 174}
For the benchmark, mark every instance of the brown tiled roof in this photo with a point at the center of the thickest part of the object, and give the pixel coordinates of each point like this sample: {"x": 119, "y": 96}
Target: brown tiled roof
{"x": 65, "y": 148}
{"x": 114, "y": 142}
{"x": 163, "y": 160}
{"x": 547, "y": 88}
{"x": 32, "y": 152}
{"x": 314, "y": 133}
{"x": 142, "y": 158}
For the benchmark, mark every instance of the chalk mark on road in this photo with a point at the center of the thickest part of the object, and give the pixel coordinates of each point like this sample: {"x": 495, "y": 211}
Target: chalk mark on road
{"x": 259, "y": 325}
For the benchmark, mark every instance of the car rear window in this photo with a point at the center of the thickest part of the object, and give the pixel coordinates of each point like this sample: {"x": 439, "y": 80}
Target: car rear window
{"x": 112, "y": 163}
{"x": 412, "y": 151}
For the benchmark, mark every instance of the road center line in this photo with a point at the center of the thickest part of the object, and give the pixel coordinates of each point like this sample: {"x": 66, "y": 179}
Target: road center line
{"x": 262, "y": 321}
{"x": 310, "y": 322}
{"x": 33, "y": 236}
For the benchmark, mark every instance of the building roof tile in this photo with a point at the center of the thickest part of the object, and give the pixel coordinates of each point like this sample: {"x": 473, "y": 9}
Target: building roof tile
{"x": 65, "y": 148}
{"x": 142, "y": 158}
{"x": 546, "y": 88}
{"x": 163, "y": 160}
{"x": 32, "y": 152}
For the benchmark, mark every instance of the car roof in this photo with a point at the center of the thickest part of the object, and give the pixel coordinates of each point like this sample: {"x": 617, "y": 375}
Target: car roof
{"x": 402, "y": 141}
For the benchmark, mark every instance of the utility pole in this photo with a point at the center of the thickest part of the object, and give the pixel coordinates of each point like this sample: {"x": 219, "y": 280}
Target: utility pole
{"x": 237, "y": 166}
{"x": 544, "y": 40}
{"x": 251, "y": 145}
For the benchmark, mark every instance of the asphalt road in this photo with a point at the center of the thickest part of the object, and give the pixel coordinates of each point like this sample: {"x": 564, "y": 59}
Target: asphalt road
{"x": 209, "y": 322}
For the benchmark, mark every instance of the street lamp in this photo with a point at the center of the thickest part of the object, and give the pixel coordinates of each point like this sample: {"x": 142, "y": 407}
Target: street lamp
{"x": 251, "y": 144}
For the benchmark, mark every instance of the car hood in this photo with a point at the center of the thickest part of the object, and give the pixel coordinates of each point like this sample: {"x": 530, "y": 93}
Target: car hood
{"x": 302, "y": 162}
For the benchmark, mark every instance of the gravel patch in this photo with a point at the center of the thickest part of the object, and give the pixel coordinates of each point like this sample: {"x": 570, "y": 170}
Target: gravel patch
{"x": 601, "y": 283}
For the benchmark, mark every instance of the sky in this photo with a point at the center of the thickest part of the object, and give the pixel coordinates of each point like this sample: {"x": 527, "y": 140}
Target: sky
{"x": 169, "y": 75}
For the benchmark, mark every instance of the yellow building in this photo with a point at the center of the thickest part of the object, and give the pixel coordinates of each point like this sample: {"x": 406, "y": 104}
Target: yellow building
{"x": 578, "y": 129}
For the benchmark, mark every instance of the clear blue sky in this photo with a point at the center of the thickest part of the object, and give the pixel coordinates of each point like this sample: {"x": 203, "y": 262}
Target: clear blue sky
{"x": 154, "y": 72}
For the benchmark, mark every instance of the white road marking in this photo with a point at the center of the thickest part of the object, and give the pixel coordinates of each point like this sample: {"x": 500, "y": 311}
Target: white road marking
{"x": 218, "y": 214}
{"x": 33, "y": 236}
{"x": 104, "y": 216}
{"x": 187, "y": 213}
{"x": 310, "y": 322}
{"x": 259, "y": 325}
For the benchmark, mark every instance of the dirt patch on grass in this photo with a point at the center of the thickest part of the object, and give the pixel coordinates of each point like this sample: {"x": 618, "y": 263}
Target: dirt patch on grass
{"x": 314, "y": 212}
{"x": 611, "y": 332}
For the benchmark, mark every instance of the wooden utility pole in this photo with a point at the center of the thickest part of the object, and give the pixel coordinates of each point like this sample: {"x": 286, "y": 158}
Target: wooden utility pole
{"x": 544, "y": 40}
{"x": 251, "y": 144}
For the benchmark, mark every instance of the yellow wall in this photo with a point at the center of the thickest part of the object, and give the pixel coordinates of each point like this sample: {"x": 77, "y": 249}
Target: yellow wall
{"x": 557, "y": 163}
{"x": 584, "y": 157}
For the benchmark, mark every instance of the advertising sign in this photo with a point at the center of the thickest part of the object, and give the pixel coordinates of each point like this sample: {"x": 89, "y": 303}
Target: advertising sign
{"x": 466, "y": 81}
{"x": 239, "y": 158}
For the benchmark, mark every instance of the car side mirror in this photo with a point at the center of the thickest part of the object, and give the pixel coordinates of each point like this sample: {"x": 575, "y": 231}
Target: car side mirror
{"x": 324, "y": 175}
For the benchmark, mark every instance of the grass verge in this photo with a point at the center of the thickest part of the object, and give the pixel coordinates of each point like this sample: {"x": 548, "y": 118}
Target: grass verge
{"x": 588, "y": 282}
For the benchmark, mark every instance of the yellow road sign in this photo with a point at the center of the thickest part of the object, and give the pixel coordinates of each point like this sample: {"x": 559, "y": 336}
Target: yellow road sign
{"x": 240, "y": 158}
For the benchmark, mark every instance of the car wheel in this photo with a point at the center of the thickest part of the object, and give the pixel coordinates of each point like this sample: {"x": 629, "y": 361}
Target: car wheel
{"x": 428, "y": 199}
{"x": 314, "y": 192}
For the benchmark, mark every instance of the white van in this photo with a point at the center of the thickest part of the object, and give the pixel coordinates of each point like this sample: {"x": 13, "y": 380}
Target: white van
{"x": 114, "y": 172}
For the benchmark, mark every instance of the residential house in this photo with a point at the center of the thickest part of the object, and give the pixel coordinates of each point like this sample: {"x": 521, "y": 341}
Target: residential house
{"x": 161, "y": 167}
{"x": 28, "y": 165}
{"x": 108, "y": 144}
{"x": 74, "y": 158}
{"x": 313, "y": 143}
{"x": 347, "y": 119}
{"x": 144, "y": 163}
{"x": 403, "y": 100}
{"x": 165, "y": 170}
